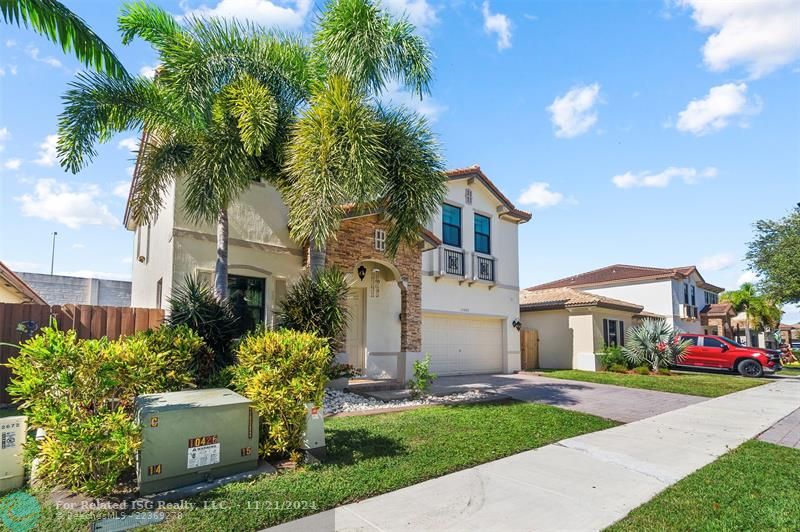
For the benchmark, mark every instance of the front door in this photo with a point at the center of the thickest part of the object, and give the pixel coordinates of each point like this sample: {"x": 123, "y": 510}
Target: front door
{"x": 355, "y": 343}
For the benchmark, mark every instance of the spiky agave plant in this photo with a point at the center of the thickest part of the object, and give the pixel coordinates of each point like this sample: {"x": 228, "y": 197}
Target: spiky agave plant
{"x": 655, "y": 342}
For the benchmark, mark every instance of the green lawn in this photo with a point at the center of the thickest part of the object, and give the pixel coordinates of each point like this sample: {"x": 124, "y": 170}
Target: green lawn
{"x": 790, "y": 370}
{"x": 754, "y": 487}
{"x": 703, "y": 384}
{"x": 369, "y": 455}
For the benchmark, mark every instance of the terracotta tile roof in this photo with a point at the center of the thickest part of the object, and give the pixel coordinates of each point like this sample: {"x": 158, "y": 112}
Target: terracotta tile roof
{"x": 476, "y": 172}
{"x": 624, "y": 272}
{"x": 559, "y": 298}
{"x": 646, "y": 314}
{"x": 13, "y": 281}
{"x": 718, "y": 309}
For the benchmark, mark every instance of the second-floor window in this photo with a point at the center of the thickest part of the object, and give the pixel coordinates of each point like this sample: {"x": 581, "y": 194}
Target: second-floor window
{"x": 694, "y": 300}
{"x": 483, "y": 235}
{"x": 686, "y": 294}
{"x": 451, "y": 225}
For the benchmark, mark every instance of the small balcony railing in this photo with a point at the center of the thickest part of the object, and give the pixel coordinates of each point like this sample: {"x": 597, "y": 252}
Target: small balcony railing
{"x": 484, "y": 268}
{"x": 452, "y": 262}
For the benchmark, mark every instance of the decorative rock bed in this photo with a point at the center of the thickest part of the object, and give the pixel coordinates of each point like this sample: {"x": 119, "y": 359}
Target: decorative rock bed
{"x": 336, "y": 402}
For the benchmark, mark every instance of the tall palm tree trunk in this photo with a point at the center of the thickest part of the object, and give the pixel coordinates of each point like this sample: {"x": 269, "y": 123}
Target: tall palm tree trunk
{"x": 316, "y": 257}
{"x": 221, "y": 267}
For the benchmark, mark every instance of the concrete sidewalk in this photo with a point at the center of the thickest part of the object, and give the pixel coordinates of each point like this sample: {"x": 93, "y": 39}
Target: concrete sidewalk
{"x": 583, "y": 483}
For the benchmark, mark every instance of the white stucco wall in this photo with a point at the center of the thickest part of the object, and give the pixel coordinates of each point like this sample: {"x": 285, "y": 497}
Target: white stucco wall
{"x": 555, "y": 337}
{"x": 157, "y": 257}
{"x": 602, "y": 313}
{"x": 448, "y": 295}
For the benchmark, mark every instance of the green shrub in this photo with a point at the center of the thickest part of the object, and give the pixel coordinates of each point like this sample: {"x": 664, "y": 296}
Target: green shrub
{"x": 618, "y": 368}
{"x": 281, "y": 371}
{"x": 654, "y": 342}
{"x": 317, "y": 304}
{"x": 612, "y": 355}
{"x": 641, "y": 370}
{"x": 81, "y": 392}
{"x": 193, "y": 304}
{"x": 420, "y": 384}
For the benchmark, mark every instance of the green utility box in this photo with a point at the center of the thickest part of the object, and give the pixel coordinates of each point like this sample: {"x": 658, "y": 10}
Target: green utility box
{"x": 194, "y": 436}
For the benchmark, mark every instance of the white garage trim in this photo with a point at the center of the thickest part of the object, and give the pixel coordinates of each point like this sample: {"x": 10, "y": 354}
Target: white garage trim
{"x": 460, "y": 344}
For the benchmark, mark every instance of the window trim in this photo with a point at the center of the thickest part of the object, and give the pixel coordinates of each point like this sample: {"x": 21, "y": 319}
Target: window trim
{"x": 475, "y": 233}
{"x": 619, "y": 332}
{"x": 460, "y": 226}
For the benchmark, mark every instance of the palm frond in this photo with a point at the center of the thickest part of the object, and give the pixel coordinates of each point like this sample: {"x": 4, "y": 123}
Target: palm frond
{"x": 414, "y": 171}
{"x": 334, "y": 158}
{"x": 362, "y": 43}
{"x": 98, "y": 106}
{"x": 149, "y": 22}
{"x": 63, "y": 27}
{"x": 160, "y": 161}
{"x": 254, "y": 110}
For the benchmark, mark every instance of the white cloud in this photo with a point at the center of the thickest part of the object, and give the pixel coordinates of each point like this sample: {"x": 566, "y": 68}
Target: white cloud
{"x": 60, "y": 203}
{"x": 121, "y": 189}
{"x": 11, "y": 69}
{"x": 573, "y": 113}
{"x": 148, "y": 71}
{"x": 22, "y": 266}
{"x": 761, "y": 35}
{"x": 419, "y": 12}
{"x": 78, "y": 246}
{"x": 428, "y": 106}
{"x": 746, "y": 277}
{"x": 497, "y": 23}
{"x": 48, "y": 153}
{"x": 262, "y": 12}
{"x": 715, "y": 263}
{"x": 130, "y": 144}
{"x": 690, "y": 176}
{"x": 717, "y": 108}
{"x": 12, "y": 164}
{"x": 540, "y": 195}
{"x": 47, "y": 60}
{"x": 10, "y": 43}
{"x": 5, "y": 134}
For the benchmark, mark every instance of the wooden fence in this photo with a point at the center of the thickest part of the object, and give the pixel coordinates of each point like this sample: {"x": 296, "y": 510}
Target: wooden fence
{"x": 89, "y": 321}
{"x": 529, "y": 348}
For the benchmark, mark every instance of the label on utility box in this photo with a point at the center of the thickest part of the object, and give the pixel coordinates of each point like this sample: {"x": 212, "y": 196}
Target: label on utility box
{"x": 203, "y": 456}
{"x": 203, "y": 451}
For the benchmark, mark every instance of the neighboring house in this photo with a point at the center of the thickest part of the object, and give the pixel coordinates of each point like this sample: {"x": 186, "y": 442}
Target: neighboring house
{"x": 790, "y": 333}
{"x": 759, "y": 337}
{"x": 453, "y": 295}
{"x": 717, "y": 319}
{"x": 14, "y": 289}
{"x": 573, "y": 326}
{"x": 677, "y": 294}
{"x": 68, "y": 290}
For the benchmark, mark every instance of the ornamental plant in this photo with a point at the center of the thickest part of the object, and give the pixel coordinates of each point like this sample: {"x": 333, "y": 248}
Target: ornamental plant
{"x": 81, "y": 392}
{"x": 281, "y": 371}
{"x": 653, "y": 342}
{"x": 420, "y": 384}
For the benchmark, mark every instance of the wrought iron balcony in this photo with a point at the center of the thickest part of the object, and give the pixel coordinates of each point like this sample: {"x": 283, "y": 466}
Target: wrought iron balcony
{"x": 452, "y": 261}
{"x": 484, "y": 268}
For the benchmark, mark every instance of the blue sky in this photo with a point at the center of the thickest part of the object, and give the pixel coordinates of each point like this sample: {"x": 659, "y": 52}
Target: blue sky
{"x": 649, "y": 133}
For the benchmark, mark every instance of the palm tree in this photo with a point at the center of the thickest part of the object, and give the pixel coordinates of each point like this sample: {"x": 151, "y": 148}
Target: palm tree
{"x": 348, "y": 148}
{"x": 760, "y": 312}
{"x": 215, "y": 116}
{"x": 654, "y": 342}
{"x": 61, "y": 26}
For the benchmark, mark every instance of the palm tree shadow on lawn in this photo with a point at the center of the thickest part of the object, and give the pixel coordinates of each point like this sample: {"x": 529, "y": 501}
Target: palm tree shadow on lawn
{"x": 348, "y": 446}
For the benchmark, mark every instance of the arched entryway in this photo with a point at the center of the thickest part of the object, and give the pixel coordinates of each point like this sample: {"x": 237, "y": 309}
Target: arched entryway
{"x": 373, "y": 337}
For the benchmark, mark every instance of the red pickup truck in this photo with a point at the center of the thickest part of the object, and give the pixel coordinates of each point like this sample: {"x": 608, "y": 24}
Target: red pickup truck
{"x": 718, "y": 352}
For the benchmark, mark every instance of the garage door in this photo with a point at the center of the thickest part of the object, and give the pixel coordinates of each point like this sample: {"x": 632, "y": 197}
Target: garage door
{"x": 462, "y": 345}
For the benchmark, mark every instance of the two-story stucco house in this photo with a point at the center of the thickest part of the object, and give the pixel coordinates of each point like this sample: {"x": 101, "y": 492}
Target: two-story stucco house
{"x": 677, "y": 294}
{"x": 576, "y": 317}
{"x": 454, "y": 295}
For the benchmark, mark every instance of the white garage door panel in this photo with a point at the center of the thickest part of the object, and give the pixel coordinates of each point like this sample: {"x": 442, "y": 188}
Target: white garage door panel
{"x": 462, "y": 345}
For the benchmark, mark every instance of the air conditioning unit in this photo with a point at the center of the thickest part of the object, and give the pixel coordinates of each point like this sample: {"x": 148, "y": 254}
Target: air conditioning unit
{"x": 194, "y": 436}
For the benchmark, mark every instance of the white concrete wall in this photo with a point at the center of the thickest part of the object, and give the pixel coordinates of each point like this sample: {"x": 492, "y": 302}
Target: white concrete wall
{"x": 555, "y": 337}
{"x": 383, "y": 312}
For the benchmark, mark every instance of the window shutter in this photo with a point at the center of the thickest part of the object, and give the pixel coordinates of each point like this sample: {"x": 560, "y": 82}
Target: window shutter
{"x": 621, "y": 333}
{"x": 605, "y": 331}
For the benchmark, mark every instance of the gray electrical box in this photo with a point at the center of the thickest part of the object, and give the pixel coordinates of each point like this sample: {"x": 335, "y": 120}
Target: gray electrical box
{"x": 194, "y": 436}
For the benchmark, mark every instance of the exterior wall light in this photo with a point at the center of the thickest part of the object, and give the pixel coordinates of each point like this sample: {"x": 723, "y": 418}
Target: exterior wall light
{"x": 362, "y": 271}
{"x": 517, "y": 324}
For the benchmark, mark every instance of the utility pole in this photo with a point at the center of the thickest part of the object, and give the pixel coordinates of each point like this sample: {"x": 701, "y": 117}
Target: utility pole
{"x": 53, "y": 253}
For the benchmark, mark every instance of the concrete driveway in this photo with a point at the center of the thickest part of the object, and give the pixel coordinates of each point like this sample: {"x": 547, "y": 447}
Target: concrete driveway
{"x": 604, "y": 400}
